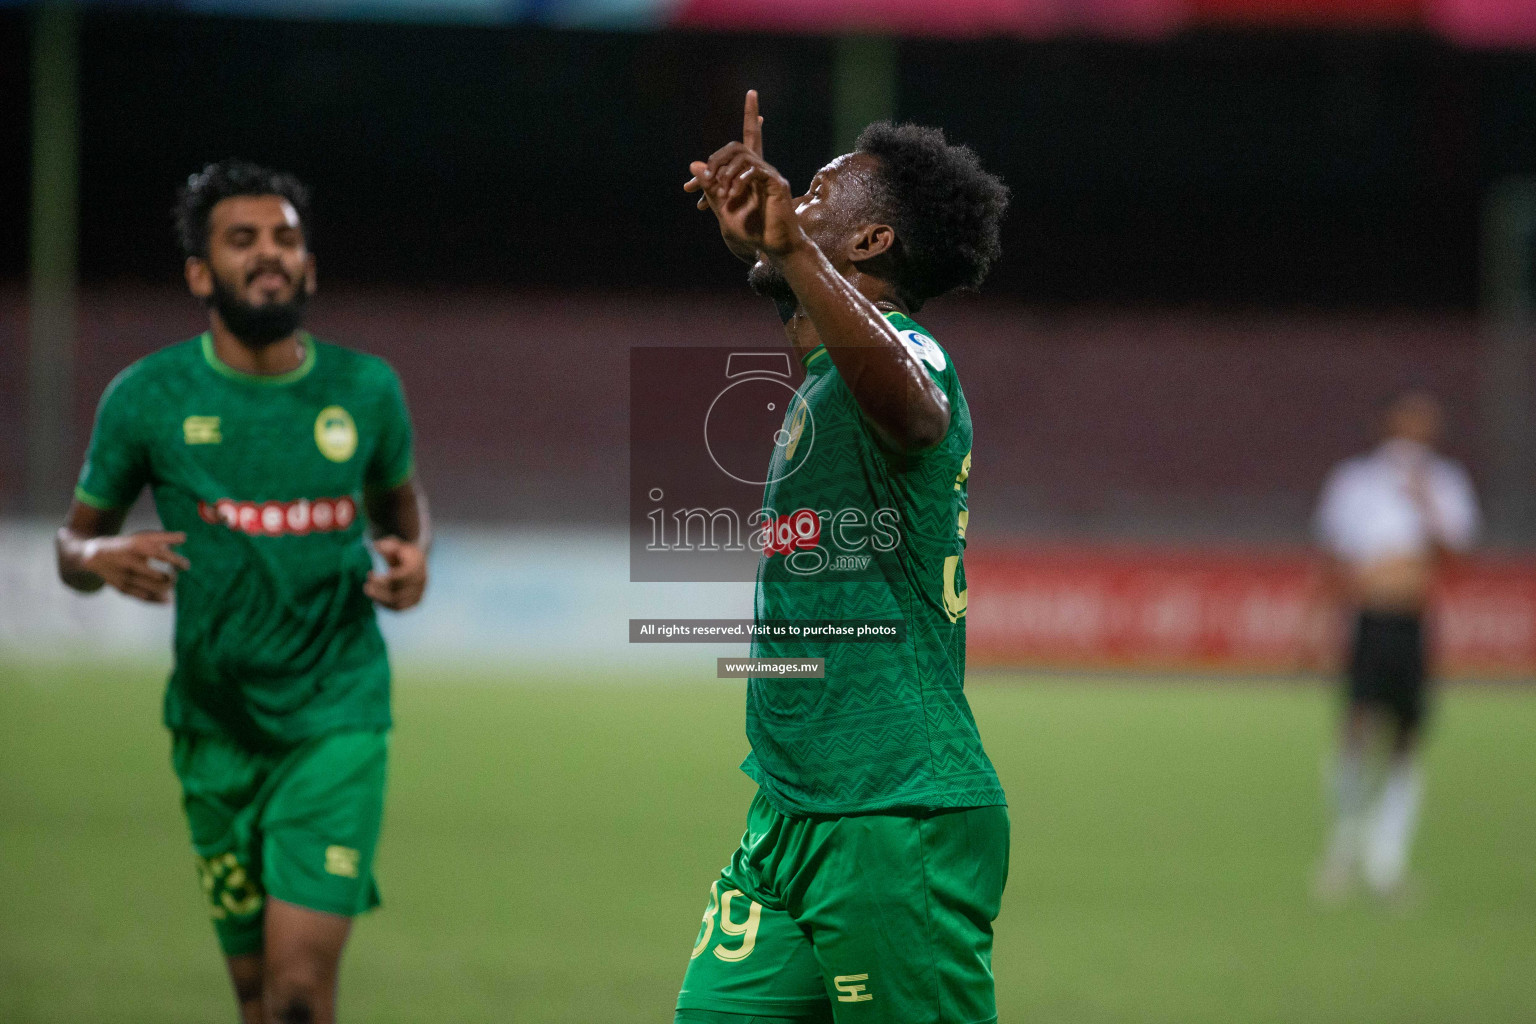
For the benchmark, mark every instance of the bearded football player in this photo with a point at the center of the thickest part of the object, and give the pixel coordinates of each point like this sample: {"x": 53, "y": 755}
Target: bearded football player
{"x": 876, "y": 849}
{"x": 268, "y": 454}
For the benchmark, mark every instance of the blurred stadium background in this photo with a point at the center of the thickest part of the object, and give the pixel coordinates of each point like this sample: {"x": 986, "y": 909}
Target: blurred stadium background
{"x": 1238, "y": 227}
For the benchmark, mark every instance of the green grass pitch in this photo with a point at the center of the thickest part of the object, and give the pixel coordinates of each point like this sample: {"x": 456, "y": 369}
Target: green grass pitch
{"x": 549, "y": 843}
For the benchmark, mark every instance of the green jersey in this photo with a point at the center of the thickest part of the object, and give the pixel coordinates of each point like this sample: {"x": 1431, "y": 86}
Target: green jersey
{"x": 889, "y": 726}
{"x": 275, "y": 640}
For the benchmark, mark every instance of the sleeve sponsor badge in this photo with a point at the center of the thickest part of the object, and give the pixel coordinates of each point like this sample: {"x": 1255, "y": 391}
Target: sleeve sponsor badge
{"x": 924, "y": 348}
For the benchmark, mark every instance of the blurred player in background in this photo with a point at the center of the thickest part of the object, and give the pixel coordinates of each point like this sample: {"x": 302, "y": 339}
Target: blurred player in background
{"x": 258, "y": 443}
{"x": 876, "y": 848}
{"x": 1387, "y": 522}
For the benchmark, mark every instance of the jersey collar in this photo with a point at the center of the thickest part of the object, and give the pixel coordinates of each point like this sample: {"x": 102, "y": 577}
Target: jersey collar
{"x": 223, "y": 369}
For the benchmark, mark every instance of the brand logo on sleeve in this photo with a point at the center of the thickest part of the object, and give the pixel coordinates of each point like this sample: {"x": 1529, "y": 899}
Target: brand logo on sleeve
{"x": 849, "y": 990}
{"x": 201, "y": 430}
{"x": 335, "y": 433}
{"x": 281, "y": 518}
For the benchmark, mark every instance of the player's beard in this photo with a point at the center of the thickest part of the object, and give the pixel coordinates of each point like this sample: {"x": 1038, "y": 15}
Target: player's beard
{"x": 258, "y": 326}
{"x": 768, "y": 281}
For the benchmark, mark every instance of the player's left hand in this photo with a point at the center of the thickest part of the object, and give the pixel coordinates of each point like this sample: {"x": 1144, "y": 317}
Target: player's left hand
{"x": 404, "y": 584}
{"x": 751, "y": 199}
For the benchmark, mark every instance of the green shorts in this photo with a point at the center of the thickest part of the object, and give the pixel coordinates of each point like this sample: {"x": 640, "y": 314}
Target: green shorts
{"x": 868, "y": 918}
{"x": 300, "y": 825}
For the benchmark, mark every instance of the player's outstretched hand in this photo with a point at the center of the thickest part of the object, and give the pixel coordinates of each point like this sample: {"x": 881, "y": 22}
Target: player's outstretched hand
{"x": 750, "y": 198}
{"x": 751, "y": 137}
{"x": 406, "y": 581}
{"x": 137, "y": 564}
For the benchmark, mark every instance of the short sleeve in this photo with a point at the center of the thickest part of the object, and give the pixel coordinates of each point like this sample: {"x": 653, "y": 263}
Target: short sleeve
{"x": 116, "y": 463}
{"x": 392, "y": 462}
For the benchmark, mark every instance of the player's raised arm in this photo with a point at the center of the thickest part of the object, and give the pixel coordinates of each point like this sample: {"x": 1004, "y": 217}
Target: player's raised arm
{"x": 758, "y": 212}
{"x": 90, "y": 555}
{"x": 898, "y": 397}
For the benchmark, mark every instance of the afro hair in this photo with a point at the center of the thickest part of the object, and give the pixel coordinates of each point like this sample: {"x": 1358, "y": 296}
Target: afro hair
{"x": 945, "y": 208}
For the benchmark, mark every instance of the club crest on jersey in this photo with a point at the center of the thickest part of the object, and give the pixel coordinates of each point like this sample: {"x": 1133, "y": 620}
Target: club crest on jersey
{"x": 280, "y": 518}
{"x": 924, "y": 348}
{"x": 335, "y": 433}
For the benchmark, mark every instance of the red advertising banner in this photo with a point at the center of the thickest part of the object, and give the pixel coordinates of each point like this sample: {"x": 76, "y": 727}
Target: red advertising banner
{"x": 1240, "y": 611}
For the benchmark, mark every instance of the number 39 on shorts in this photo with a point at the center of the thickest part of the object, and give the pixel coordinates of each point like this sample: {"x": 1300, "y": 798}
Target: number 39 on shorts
{"x": 720, "y": 911}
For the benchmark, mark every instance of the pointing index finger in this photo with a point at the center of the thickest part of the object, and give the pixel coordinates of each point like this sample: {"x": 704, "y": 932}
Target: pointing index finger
{"x": 752, "y": 124}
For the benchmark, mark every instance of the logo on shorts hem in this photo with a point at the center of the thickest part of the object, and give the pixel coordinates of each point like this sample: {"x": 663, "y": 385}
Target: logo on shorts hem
{"x": 849, "y": 989}
{"x": 341, "y": 860}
